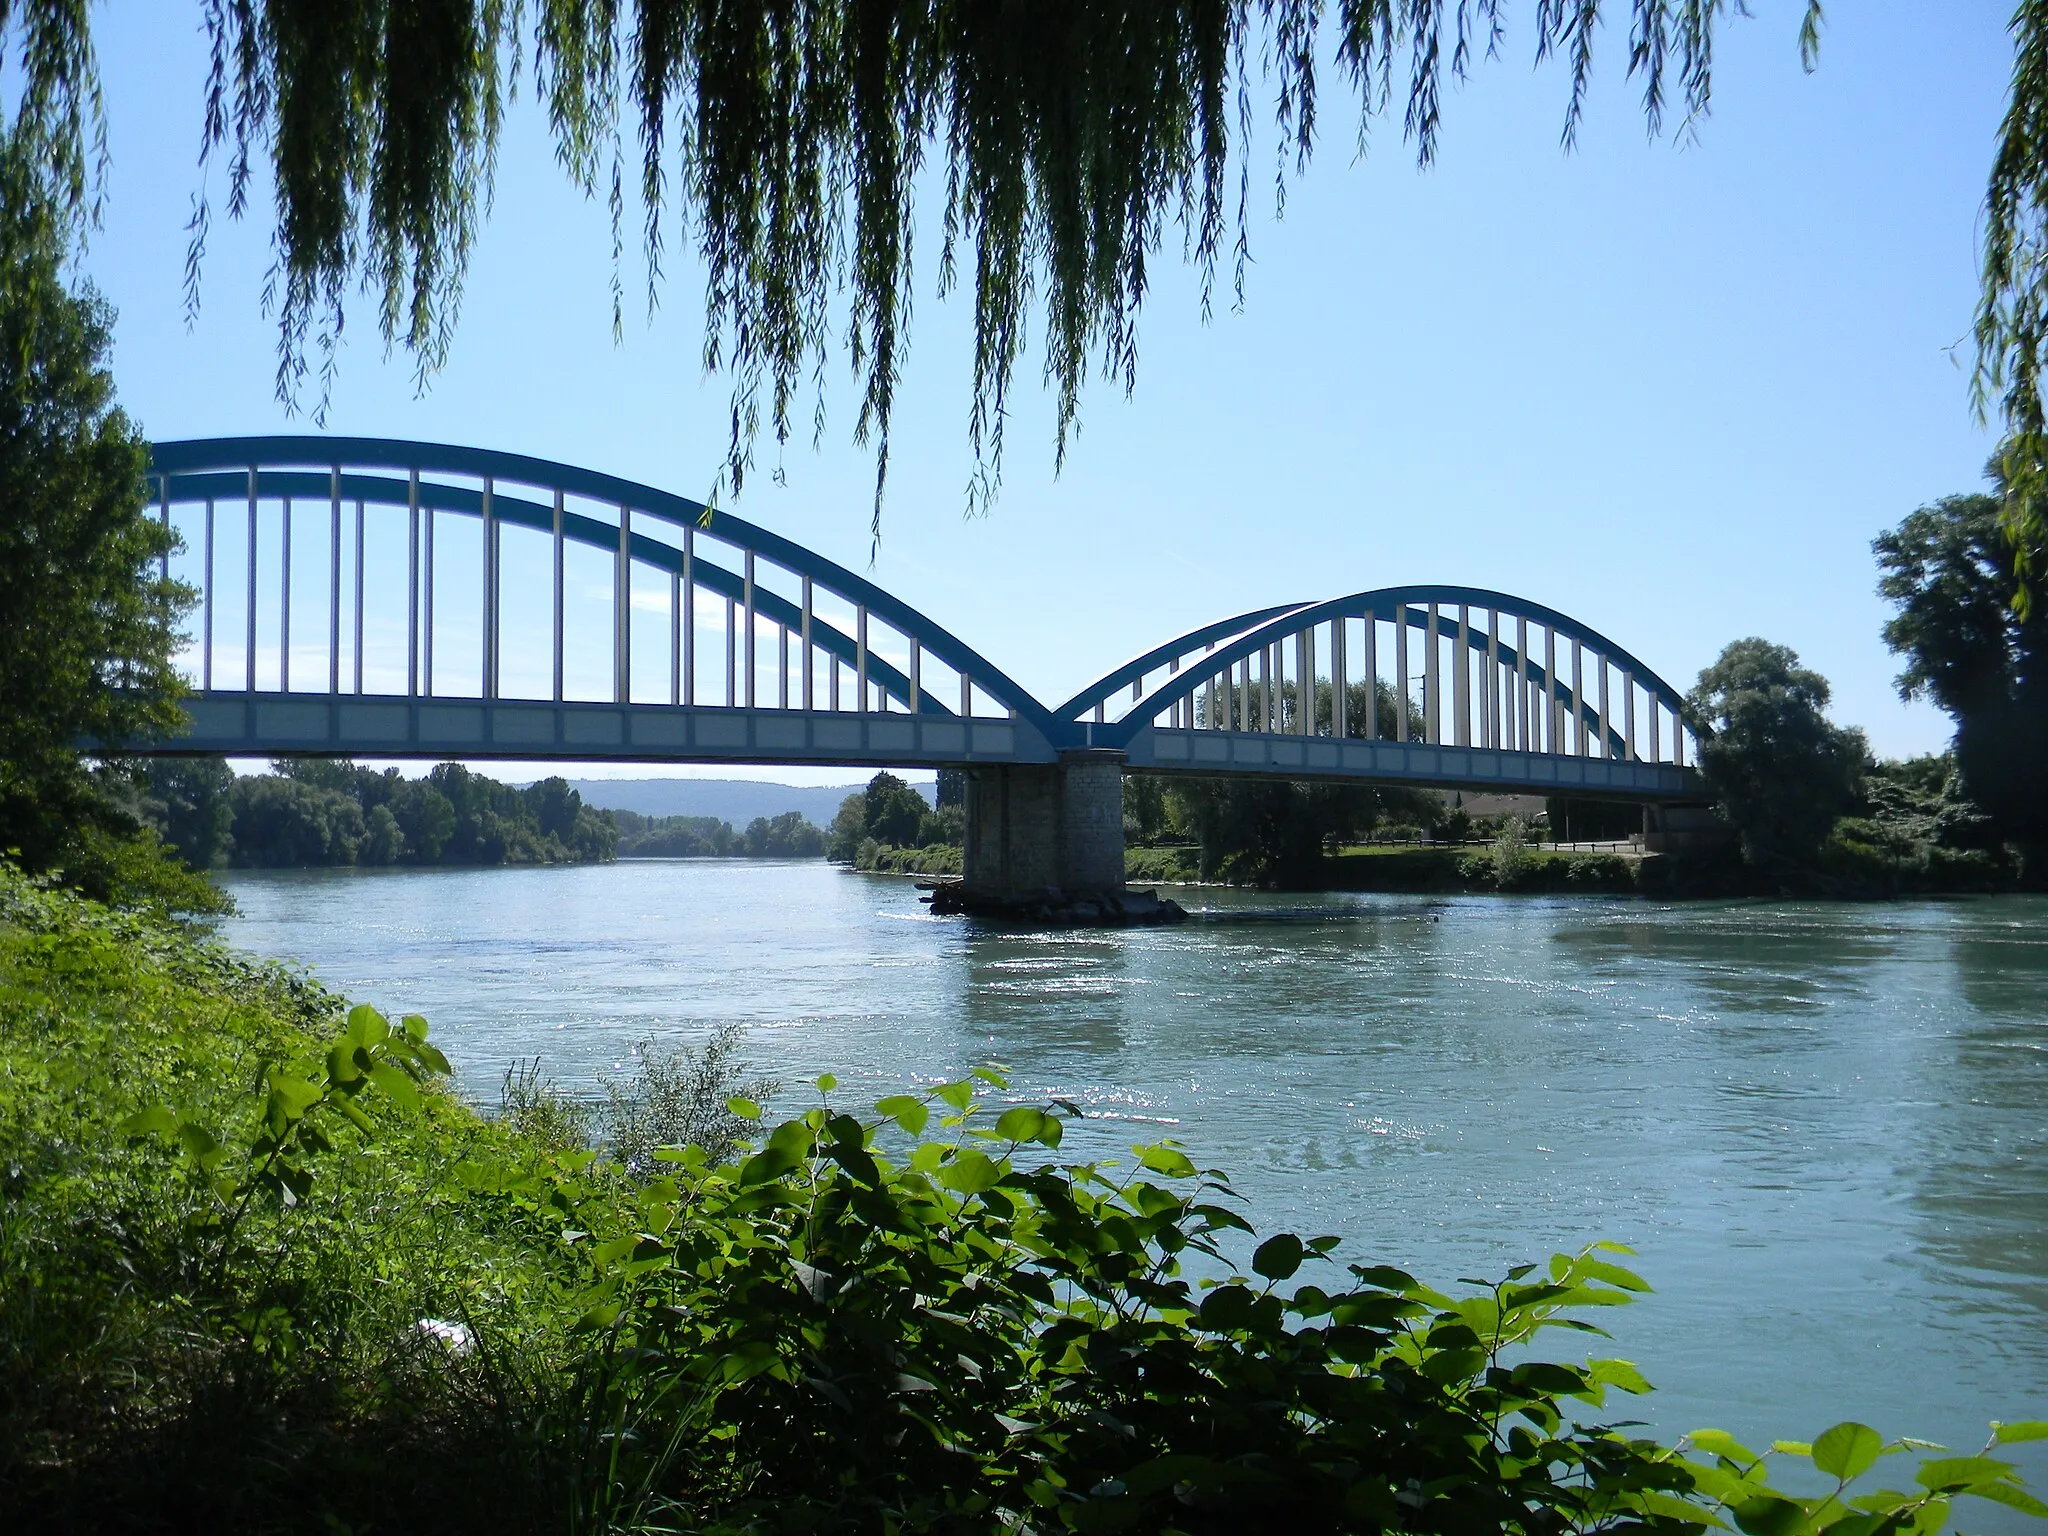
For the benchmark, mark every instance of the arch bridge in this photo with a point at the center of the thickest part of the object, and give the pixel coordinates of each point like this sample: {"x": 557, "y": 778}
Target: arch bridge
{"x": 376, "y": 598}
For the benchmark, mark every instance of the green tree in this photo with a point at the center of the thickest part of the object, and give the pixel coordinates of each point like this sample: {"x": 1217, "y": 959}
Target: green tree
{"x": 1974, "y": 633}
{"x": 191, "y": 802}
{"x": 426, "y": 818}
{"x": 945, "y": 827}
{"x": 849, "y": 828}
{"x": 87, "y": 615}
{"x": 383, "y": 842}
{"x": 287, "y": 823}
{"x": 1277, "y": 832}
{"x": 595, "y": 835}
{"x": 788, "y": 836}
{"x": 1145, "y": 809}
{"x": 555, "y": 807}
{"x": 1779, "y": 771}
{"x": 892, "y": 811}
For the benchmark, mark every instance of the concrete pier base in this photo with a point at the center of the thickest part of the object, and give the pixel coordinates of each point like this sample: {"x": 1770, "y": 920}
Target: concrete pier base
{"x": 1684, "y": 829}
{"x": 1046, "y": 829}
{"x": 1045, "y": 844}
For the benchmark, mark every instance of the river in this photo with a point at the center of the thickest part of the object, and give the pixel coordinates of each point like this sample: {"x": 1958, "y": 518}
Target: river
{"x": 1822, "y": 1128}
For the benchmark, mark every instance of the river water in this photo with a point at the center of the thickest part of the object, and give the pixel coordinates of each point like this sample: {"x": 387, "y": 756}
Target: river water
{"x": 1823, "y": 1128}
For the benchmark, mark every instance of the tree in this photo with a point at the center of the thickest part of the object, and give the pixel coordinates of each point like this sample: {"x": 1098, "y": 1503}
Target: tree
{"x": 425, "y": 817}
{"x": 87, "y": 615}
{"x": 1146, "y": 817}
{"x": 892, "y": 812}
{"x": 288, "y": 823}
{"x": 555, "y": 806}
{"x": 788, "y": 836}
{"x": 849, "y": 828}
{"x": 1266, "y": 832}
{"x": 792, "y": 139}
{"x": 1778, "y": 770}
{"x": 191, "y": 803}
{"x": 1974, "y": 633}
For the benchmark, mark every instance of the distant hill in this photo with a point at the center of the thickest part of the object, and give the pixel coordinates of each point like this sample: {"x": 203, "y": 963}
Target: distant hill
{"x": 738, "y": 801}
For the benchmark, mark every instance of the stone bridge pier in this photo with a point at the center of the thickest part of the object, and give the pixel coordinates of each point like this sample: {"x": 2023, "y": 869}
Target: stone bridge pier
{"x": 1045, "y": 831}
{"x": 1046, "y": 841}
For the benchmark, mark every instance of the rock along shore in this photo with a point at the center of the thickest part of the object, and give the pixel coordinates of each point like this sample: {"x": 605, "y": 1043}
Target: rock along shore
{"x": 1055, "y": 909}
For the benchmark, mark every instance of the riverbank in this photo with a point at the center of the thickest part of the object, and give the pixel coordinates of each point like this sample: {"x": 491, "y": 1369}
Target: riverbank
{"x": 201, "y": 1335}
{"x": 1848, "y": 872}
{"x": 1432, "y": 869}
{"x": 430, "y": 1330}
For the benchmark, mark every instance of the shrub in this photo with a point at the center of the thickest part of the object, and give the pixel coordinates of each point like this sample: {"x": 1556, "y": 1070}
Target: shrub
{"x": 858, "y": 1328}
{"x": 678, "y": 1098}
{"x": 1507, "y": 864}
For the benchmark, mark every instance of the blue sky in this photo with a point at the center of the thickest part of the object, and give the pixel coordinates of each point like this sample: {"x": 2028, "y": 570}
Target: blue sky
{"x": 1672, "y": 388}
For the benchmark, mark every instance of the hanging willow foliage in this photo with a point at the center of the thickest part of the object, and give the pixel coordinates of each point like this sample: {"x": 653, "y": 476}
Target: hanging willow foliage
{"x": 789, "y": 137}
{"x": 2012, "y": 312}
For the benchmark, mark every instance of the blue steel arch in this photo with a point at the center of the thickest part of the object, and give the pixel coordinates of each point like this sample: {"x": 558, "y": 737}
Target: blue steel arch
{"x": 590, "y": 532}
{"x": 1396, "y": 604}
{"x": 179, "y": 470}
{"x": 425, "y": 476}
{"x": 1099, "y": 692}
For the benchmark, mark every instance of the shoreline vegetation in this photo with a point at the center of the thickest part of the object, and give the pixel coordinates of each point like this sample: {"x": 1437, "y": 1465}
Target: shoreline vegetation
{"x": 1904, "y": 830}
{"x": 260, "y": 1268}
{"x": 314, "y": 813}
{"x": 1907, "y": 831}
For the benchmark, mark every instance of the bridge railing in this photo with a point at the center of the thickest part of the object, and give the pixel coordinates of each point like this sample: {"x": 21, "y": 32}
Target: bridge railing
{"x": 351, "y": 567}
{"x": 1440, "y": 665}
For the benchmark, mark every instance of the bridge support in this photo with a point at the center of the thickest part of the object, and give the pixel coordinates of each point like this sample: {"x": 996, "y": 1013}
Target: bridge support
{"x": 1046, "y": 831}
{"x": 1045, "y": 842}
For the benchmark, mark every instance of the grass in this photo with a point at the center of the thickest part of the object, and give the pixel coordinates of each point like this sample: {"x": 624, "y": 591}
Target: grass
{"x": 938, "y": 859}
{"x": 163, "y": 1367}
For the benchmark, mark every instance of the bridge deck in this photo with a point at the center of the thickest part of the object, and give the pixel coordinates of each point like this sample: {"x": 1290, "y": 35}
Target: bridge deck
{"x": 394, "y": 726}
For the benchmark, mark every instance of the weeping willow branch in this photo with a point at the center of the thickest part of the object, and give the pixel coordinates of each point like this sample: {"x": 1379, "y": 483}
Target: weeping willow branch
{"x": 2012, "y": 313}
{"x": 1072, "y": 139}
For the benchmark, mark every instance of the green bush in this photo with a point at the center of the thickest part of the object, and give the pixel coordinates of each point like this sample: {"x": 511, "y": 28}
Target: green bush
{"x": 211, "y": 1275}
{"x": 858, "y": 1327}
{"x": 1145, "y": 865}
{"x": 678, "y": 1097}
{"x": 258, "y": 1271}
{"x": 938, "y": 859}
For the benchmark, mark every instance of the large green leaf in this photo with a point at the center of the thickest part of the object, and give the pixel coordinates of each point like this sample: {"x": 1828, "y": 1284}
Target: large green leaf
{"x": 1718, "y": 1442}
{"x": 1847, "y": 1450}
{"x": 1960, "y": 1471}
{"x": 366, "y": 1026}
{"x": 911, "y": 1114}
{"x": 2011, "y": 1497}
{"x": 1025, "y": 1123}
{"x": 970, "y": 1172}
{"x": 1277, "y": 1258}
{"x": 768, "y": 1164}
{"x": 1771, "y": 1515}
{"x": 157, "y": 1120}
{"x": 1165, "y": 1160}
{"x": 396, "y": 1085}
